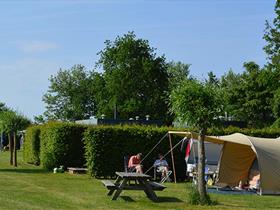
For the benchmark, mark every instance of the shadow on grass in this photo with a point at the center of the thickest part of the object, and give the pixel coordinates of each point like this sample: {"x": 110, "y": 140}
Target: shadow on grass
{"x": 23, "y": 170}
{"x": 169, "y": 200}
{"x": 232, "y": 206}
{"x": 160, "y": 199}
{"x": 127, "y": 198}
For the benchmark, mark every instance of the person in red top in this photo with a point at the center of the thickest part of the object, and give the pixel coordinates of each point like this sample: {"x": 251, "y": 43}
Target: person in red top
{"x": 135, "y": 163}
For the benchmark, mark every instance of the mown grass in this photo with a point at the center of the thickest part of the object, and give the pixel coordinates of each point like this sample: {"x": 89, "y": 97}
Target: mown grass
{"x": 30, "y": 187}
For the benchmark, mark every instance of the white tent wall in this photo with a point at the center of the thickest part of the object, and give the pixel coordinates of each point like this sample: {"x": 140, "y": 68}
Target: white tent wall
{"x": 212, "y": 153}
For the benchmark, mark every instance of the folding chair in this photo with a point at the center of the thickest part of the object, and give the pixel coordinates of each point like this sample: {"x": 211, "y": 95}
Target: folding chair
{"x": 125, "y": 163}
{"x": 158, "y": 172}
{"x": 167, "y": 177}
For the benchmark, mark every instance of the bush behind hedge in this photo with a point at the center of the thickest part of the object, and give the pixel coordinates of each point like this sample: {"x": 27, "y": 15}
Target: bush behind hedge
{"x": 263, "y": 133}
{"x": 31, "y": 146}
{"x": 61, "y": 144}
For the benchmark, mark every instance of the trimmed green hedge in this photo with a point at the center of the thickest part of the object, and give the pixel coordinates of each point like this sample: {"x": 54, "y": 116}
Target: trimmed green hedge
{"x": 31, "y": 146}
{"x": 61, "y": 144}
{"x": 264, "y": 132}
{"x": 106, "y": 147}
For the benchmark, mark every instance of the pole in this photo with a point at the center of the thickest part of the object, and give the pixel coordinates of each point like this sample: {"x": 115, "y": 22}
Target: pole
{"x": 11, "y": 147}
{"x": 15, "y": 149}
{"x": 172, "y": 158}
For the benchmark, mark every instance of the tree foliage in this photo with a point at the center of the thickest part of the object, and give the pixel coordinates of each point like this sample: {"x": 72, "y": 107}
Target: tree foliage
{"x": 272, "y": 37}
{"x": 231, "y": 84}
{"x": 71, "y": 94}
{"x": 177, "y": 72}
{"x": 196, "y": 103}
{"x": 212, "y": 79}
{"x": 276, "y": 104}
{"x": 11, "y": 121}
{"x": 136, "y": 80}
{"x": 247, "y": 96}
{"x": 3, "y": 107}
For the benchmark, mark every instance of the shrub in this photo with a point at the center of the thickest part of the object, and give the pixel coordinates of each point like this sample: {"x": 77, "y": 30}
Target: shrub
{"x": 31, "y": 146}
{"x": 106, "y": 147}
{"x": 61, "y": 144}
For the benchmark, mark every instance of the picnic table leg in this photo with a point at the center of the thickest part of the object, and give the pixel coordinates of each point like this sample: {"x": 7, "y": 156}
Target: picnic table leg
{"x": 111, "y": 192}
{"x": 149, "y": 191}
{"x": 119, "y": 190}
{"x": 116, "y": 183}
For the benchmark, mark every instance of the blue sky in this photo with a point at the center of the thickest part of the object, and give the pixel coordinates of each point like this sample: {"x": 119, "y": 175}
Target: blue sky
{"x": 39, "y": 37}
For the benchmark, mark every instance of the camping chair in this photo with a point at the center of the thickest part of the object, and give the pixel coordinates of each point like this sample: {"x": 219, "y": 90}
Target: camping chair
{"x": 158, "y": 173}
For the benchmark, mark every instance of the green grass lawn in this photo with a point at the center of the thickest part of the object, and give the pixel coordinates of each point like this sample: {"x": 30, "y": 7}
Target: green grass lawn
{"x": 29, "y": 187}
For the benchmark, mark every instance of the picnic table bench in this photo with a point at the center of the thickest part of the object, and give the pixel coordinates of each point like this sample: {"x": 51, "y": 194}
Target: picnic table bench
{"x": 141, "y": 182}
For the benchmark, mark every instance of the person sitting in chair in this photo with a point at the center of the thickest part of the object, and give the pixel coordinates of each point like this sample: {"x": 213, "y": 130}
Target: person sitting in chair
{"x": 134, "y": 163}
{"x": 161, "y": 165}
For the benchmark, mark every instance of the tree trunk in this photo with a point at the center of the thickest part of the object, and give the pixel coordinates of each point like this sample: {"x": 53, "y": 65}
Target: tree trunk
{"x": 15, "y": 149}
{"x": 201, "y": 167}
{"x": 11, "y": 148}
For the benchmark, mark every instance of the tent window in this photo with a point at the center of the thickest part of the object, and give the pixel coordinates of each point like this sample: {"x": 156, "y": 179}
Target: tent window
{"x": 255, "y": 165}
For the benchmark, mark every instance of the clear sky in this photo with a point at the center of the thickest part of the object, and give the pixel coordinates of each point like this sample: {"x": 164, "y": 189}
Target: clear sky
{"x": 39, "y": 37}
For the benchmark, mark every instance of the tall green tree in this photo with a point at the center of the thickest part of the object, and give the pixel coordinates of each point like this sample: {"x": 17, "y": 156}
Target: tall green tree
{"x": 259, "y": 93}
{"x": 71, "y": 95}
{"x": 199, "y": 105}
{"x": 248, "y": 96}
{"x": 233, "y": 94}
{"x": 136, "y": 80}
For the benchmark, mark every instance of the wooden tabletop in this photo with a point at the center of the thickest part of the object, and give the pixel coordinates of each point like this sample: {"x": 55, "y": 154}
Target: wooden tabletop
{"x": 132, "y": 175}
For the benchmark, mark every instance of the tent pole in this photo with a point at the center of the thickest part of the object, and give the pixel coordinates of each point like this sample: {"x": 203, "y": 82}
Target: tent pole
{"x": 172, "y": 158}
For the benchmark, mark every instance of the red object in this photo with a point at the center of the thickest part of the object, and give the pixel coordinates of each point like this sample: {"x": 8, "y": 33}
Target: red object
{"x": 133, "y": 161}
{"x": 188, "y": 150}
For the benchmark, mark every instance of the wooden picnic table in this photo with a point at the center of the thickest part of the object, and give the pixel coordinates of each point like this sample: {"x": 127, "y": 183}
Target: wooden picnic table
{"x": 140, "y": 182}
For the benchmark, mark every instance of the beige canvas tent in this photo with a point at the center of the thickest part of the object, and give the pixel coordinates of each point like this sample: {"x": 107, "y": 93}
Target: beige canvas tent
{"x": 238, "y": 153}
